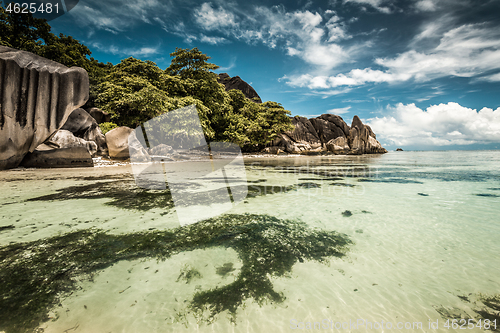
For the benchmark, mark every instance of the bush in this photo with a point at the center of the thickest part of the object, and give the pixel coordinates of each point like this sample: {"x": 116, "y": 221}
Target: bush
{"x": 106, "y": 127}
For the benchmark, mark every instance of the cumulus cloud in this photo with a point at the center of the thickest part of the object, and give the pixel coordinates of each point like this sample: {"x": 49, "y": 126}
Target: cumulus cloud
{"x": 466, "y": 51}
{"x": 438, "y": 125}
{"x": 213, "y": 19}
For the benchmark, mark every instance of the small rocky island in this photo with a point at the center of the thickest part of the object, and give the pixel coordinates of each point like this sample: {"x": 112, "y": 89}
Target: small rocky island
{"x": 42, "y": 123}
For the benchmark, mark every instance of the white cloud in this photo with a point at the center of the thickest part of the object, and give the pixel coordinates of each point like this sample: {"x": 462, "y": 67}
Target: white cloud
{"x": 426, "y": 5}
{"x": 128, "y": 52}
{"x": 339, "y": 110}
{"x": 491, "y": 78}
{"x": 213, "y": 19}
{"x": 212, "y": 40}
{"x": 438, "y": 125}
{"x": 117, "y": 15}
{"x": 466, "y": 51}
{"x": 380, "y": 5}
{"x": 300, "y": 33}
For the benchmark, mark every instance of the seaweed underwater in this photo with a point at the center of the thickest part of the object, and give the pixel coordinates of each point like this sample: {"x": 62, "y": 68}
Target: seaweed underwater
{"x": 485, "y": 312}
{"x": 37, "y": 275}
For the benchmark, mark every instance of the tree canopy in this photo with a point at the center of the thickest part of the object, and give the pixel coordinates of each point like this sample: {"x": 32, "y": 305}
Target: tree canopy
{"x": 135, "y": 91}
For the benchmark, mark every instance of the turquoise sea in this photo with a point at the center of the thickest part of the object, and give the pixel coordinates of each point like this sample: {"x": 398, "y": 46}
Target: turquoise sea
{"x": 405, "y": 241}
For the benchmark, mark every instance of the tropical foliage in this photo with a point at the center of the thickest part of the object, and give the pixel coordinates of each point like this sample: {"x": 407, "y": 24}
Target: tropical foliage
{"x": 135, "y": 91}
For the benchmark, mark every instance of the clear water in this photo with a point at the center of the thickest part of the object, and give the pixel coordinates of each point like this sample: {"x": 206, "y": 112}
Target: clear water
{"x": 425, "y": 228}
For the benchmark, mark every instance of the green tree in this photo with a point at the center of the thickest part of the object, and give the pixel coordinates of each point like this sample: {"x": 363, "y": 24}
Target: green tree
{"x": 190, "y": 64}
{"x": 23, "y": 31}
{"x": 135, "y": 91}
{"x": 253, "y": 125}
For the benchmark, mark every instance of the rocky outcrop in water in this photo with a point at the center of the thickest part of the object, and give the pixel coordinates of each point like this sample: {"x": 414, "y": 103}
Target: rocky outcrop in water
{"x": 327, "y": 134}
{"x": 237, "y": 83}
{"x": 37, "y": 96}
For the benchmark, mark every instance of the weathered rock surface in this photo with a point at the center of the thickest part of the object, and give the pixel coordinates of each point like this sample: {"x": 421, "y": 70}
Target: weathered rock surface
{"x": 237, "y": 83}
{"x": 99, "y": 115}
{"x": 65, "y": 139}
{"x": 362, "y": 139}
{"x": 122, "y": 144}
{"x": 338, "y": 145}
{"x": 84, "y": 126}
{"x": 161, "y": 150}
{"x": 327, "y": 133}
{"x": 45, "y": 157}
{"x": 36, "y": 97}
{"x": 117, "y": 140}
{"x": 273, "y": 150}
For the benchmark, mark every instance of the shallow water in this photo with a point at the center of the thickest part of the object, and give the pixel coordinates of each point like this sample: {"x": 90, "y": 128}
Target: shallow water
{"x": 424, "y": 228}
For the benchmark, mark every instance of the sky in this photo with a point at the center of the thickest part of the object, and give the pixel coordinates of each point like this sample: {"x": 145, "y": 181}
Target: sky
{"x": 424, "y": 74}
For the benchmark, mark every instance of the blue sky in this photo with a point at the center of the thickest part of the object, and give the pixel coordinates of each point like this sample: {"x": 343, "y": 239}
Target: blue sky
{"x": 425, "y": 74}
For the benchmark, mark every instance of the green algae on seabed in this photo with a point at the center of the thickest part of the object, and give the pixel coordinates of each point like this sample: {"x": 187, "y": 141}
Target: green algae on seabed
{"x": 188, "y": 273}
{"x": 485, "y": 309}
{"x": 390, "y": 180}
{"x": 127, "y": 195}
{"x": 36, "y": 275}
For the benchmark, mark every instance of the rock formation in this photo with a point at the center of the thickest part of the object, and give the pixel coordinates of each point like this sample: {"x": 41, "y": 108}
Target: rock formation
{"x": 44, "y": 157}
{"x": 237, "y": 83}
{"x": 99, "y": 115}
{"x": 327, "y": 133}
{"x": 36, "y": 97}
{"x": 84, "y": 126}
{"x": 65, "y": 139}
{"x": 122, "y": 143}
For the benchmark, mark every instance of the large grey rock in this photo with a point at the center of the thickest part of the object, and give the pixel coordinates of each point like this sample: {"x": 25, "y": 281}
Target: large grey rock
{"x": 326, "y": 130}
{"x": 122, "y": 142}
{"x": 328, "y": 133}
{"x": 36, "y": 97}
{"x": 84, "y": 126}
{"x": 338, "y": 145}
{"x": 338, "y": 121}
{"x": 117, "y": 140}
{"x": 65, "y": 139}
{"x": 99, "y": 115}
{"x": 44, "y": 157}
{"x": 362, "y": 139}
{"x": 237, "y": 83}
{"x": 304, "y": 132}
